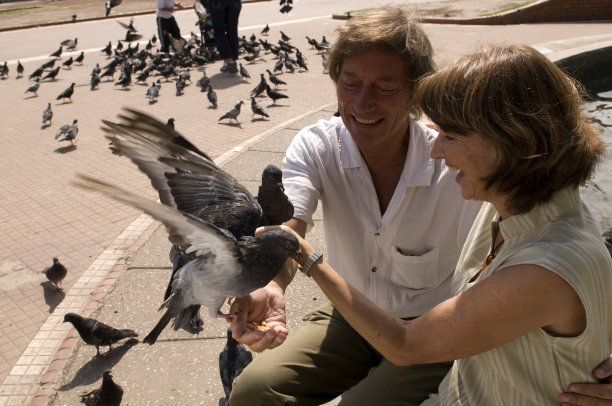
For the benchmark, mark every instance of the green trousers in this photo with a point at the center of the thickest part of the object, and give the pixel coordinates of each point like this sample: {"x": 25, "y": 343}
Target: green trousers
{"x": 324, "y": 357}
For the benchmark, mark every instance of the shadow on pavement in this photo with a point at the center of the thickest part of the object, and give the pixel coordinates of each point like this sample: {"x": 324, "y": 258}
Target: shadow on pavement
{"x": 53, "y": 296}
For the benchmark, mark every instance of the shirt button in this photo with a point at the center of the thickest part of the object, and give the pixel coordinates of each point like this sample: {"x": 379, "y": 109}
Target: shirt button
{"x": 373, "y": 269}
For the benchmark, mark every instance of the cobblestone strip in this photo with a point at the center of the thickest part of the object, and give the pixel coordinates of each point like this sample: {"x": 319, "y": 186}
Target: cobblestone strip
{"x": 32, "y": 378}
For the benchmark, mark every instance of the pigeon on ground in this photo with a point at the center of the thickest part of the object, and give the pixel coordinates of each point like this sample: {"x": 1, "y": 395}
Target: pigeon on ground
{"x": 274, "y": 95}
{"x": 19, "y": 69}
{"x": 125, "y": 80}
{"x": 275, "y": 205}
{"x": 95, "y": 81}
{"x": 212, "y": 97}
{"x": 209, "y": 216}
{"x": 301, "y": 60}
{"x": 244, "y": 74}
{"x": 97, "y": 333}
{"x": 170, "y": 122}
{"x": 261, "y": 86}
{"x": 108, "y": 394}
{"x": 49, "y": 64}
{"x": 274, "y": 79}
{"x": 108, "y": 49}
{"x": 66, "y": 94}
{"x": 108, "y": 5}
{"x": 80, "y": 57}
{"x": 203, "y": 82}
{"x": 232, "y": 360}
{"x": 56, "y": 273}
{"x": 265, "y": 30}
{"x": 33, "y": 88}
{"x": 4, "y": 70}
{"x": 70, "y": 44}
{"x": 257, "y": 109}
{"x": 180, "y": 85}
{"x": 68, "y": 131}
{"x": 233, "y": 113}
{"x": 37, "y": 73}
{"x": 57, "y": 53}
{"x": 52, "y": 74}
{"x": 68, "y": 62}
{"x": 153, "y": 91}
{"x": 47, "y": 115}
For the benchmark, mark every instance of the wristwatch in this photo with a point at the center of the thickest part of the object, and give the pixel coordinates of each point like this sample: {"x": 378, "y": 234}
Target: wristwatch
{"x": 310, "y": 261}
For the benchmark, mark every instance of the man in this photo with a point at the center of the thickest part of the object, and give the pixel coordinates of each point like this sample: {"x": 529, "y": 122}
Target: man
{"x": 167, "y": 27}
{"x": 394, "y": 223}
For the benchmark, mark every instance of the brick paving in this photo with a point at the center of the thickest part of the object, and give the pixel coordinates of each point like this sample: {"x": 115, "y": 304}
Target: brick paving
{"x": 44, "y": 216}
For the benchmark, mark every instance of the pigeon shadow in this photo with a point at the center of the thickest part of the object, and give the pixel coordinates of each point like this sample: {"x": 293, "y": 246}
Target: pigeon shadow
{"x": 90, "y": 372}
{"x": 42, "y": 127}
{"x": 30, "y": 97}
{"x": 229, "y": 124}
{"x": 53, "y": 296}
{"x": 153, "y": 101}
{"x": 276, "y": 105}
{"x": 254, "y": 119}
{"x": 64, "y": 102}
{"x": 63, "y": 150}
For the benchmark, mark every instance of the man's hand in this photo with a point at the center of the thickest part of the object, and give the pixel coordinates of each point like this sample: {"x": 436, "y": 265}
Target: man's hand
{"x": 264, "y": 305}
{"x": 592, "y": 394}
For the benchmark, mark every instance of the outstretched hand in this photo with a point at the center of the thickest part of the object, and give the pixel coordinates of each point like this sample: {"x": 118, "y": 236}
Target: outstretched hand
{"x": 263, "y": 305}
{"x": 592, "y": 393}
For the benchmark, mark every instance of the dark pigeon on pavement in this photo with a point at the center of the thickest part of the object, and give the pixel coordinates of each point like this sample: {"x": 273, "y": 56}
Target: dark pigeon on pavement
{"x": 274, "y": 79}
{"x": 37, "y": 73}
{"x": 274, "y": 95}
{"x": 52, "y": 74}
{"x": 66, "y": 94}
{"x": 108, "y": 394}
{"x": 212, "y": 97}
{"x": 56, "y": 273}
{"x": 257, "y": 109}
{"x": 19, "y": 69}
{"x": 232, "y": 360}
{"x": 96, "y": 333}
{"x": 57, "y": 53}
{"x": 203, "y": 208}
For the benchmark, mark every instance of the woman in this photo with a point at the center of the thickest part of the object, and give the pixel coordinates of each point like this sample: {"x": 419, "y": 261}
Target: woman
{"x": 531, "y": 311}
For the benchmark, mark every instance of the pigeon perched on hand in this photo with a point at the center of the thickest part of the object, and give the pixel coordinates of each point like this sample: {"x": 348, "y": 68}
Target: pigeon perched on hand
{"x": 233, "y": 113}
{"x": 56, "y": 273}
{"x": 209, "y": 216}
{"x": 232, "y": 360}
{"x": 96, "y": 333}
{"x": 108, "y": 394}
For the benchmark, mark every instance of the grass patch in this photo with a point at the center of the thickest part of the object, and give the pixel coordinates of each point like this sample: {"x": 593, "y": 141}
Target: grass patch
{"x": 16, "y": 10}
{"x": 518, "y": 5}
{"x": 357, "y": 11}
{"x": 61, "y": 8}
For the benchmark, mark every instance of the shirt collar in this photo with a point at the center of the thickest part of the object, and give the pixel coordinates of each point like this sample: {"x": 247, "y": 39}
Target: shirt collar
{"x": 419, "y": 168}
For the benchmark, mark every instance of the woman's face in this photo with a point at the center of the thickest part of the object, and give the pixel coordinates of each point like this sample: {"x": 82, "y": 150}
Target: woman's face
{"x": 472, "y": 157}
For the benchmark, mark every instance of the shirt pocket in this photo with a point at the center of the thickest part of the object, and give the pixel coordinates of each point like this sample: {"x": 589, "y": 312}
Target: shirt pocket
{"x": 416, "y": 271}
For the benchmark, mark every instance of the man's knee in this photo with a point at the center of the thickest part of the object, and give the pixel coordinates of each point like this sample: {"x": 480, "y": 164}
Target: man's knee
{"x": 251, "y": 388}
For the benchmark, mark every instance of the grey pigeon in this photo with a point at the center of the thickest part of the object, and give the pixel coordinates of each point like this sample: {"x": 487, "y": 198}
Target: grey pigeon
{"x": 69, "y": 132}
{"x": 153, "y": 91}
{"x": 261, "y": 86}
{"x": 275, "y": 205}
{"x": 232, "y": 360}
{"x": 274, "y": 95}
{"x": 96, "y": 333}
{"x": 33, "y": 88}
{"x": 180, "y": 85}
{"x": 66, "y": 94}
{"x": 233, "y": 113}
{"x": 70, "y": 44}
{"x": 257, "y": 109}
{"x": 274, "y": 79}
{"x": 47, "y": 115}
{"x": 212, "y": 97}
{"x": 108, "y": 394}
{"x": 56, "y": 273}
{"x": 95, "y": 81}
{"x": 243, "y": 72}
{"x": 204, "y": 209}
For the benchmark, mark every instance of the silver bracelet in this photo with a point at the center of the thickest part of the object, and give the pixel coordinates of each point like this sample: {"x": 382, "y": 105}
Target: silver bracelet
{"x": 305, "y": 269}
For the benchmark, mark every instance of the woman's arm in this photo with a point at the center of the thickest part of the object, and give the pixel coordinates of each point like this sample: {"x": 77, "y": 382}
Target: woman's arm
{"x": 508, "y": 304}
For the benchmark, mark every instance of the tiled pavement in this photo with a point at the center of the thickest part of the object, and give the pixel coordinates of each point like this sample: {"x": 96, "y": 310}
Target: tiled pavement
{"x": 44, "y": 216}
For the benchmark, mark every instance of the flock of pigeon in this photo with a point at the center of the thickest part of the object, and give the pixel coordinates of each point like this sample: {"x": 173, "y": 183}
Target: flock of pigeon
{"x": 211, "y": 218}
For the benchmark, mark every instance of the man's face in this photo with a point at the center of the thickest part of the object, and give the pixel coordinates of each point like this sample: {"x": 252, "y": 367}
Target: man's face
{"x": 373, "y": 99}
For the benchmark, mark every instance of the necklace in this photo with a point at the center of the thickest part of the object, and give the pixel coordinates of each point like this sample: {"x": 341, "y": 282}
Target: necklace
{"x": 494, "y": 247}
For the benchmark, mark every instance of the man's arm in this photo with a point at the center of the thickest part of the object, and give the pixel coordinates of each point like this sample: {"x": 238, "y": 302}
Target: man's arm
{"x": 592, "y": 393}
{"x": 266, "y": 305}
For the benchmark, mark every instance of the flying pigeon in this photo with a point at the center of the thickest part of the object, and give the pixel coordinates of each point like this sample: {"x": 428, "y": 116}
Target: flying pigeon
{"x": 204, "y": 209}
{"x": 33, "y": 88}
{"x": 66, "y": 94}
{"x": 232, "y": 360}
{"x": 97, "y": 333}
{"x": 108, "y": 5}
{"x": 233, "y": 113}
{"x": 56, "y": 273}
{"x": 47, "y": 115}
{"x": 257, "y": 109}
{"x": 212, "y": 97}
{"x": 129, "y": 26}
{"x": 108, "y": 394}
{"x": 274, "y": 95}
{"x": 68, "y": 131}
{"x": 70, "y": 44}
